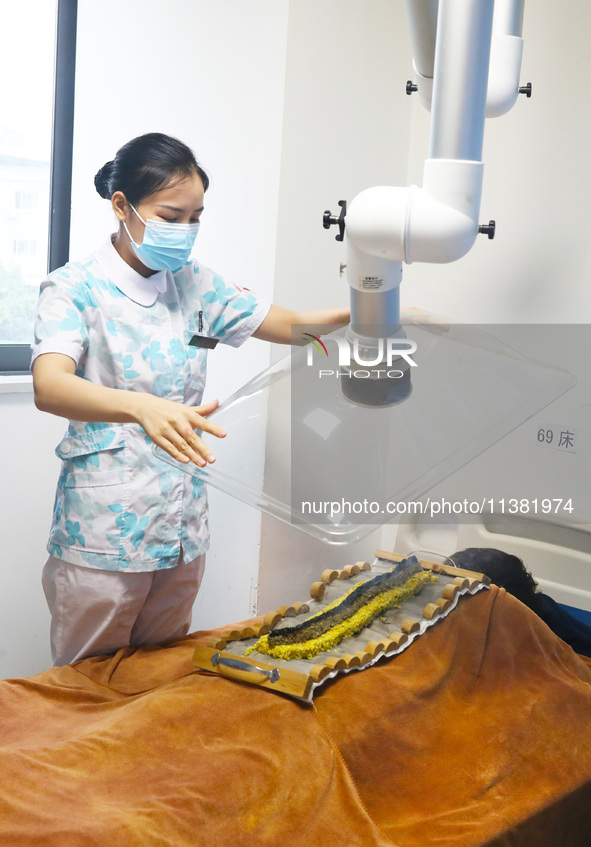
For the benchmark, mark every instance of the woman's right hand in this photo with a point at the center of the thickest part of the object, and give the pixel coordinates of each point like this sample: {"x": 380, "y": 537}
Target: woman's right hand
{"x": 172, "y": 427}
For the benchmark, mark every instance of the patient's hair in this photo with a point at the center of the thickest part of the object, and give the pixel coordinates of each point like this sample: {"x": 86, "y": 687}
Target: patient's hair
{"x": 146, "y": 164}
{"x": 504, "y": 569}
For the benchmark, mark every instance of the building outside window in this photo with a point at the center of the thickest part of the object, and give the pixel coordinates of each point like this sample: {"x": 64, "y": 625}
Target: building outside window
{"x": 27, "y": 59}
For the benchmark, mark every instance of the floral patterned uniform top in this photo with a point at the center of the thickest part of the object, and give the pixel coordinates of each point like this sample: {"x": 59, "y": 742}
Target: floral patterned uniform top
{"x": 117, "y": 506}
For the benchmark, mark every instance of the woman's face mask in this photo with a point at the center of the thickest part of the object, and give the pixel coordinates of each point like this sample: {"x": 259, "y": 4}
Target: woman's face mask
{"x": 165, "y": 246}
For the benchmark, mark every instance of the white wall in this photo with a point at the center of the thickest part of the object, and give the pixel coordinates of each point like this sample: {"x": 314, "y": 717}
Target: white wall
{"x": 349, "y": 125}
{"x": 292, "y": 106}
{"x": 537, "y": 186}
{"x": 212, "y": 75}
{"x": 29, "y": 471}
{"x": 346, "y": 126}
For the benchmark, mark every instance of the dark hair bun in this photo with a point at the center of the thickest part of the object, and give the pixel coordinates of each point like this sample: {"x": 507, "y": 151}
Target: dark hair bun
{"x": 147, "y": 164}
{"x": 102, "y": 180}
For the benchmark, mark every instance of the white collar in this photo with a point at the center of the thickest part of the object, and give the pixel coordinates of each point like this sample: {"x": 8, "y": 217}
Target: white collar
{"x": 142, "y": 290}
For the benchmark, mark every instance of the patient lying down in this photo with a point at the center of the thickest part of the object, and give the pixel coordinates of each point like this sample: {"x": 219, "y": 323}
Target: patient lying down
{"x": 510, "y": 573}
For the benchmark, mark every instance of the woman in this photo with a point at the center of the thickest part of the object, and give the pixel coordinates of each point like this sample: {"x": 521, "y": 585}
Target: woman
{"x": 120, "y": 349}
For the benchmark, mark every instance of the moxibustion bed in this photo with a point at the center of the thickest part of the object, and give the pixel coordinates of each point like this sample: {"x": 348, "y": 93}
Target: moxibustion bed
{"x": 479, "y": 733}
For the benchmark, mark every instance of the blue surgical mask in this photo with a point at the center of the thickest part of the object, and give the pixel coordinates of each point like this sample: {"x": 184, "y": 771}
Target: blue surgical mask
{"x": 166, "y": 246}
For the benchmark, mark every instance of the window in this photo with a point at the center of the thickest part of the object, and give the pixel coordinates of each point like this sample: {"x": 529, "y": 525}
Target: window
{"x": 36, "y": 128}
{"x": 24, "y": 248}
{"x": 25, "y": 200}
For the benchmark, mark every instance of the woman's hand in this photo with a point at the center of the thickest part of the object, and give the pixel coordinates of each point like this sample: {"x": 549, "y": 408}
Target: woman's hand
{"x": 172, "y": 426}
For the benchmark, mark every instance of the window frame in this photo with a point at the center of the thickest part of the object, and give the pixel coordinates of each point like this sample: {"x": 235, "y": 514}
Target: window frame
{"x": 15, "y": 359}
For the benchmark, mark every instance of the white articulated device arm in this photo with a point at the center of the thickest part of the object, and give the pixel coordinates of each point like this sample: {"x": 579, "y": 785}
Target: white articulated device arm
{"x": 387, "y": 226}
{"x": 422, "y": 19}
{"x": 435, "y": 223}
{"x": 505, "y": 53}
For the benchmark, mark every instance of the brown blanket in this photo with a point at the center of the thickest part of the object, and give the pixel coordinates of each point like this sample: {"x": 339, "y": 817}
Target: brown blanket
{"x": 480, "y": 733}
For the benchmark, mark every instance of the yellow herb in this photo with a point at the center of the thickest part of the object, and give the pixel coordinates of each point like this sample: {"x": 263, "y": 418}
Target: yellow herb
{"x": 389, "y": 599}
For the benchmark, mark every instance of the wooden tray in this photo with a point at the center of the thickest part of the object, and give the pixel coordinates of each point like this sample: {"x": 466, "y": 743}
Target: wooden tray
{"x": 391, "y": 633}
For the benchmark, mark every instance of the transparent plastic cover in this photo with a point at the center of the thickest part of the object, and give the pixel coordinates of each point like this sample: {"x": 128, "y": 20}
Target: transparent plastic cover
{"x": 306, "y": 445}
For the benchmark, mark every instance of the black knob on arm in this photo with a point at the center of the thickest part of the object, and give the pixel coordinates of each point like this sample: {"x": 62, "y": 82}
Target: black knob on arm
{"x": 328, "y": 219}
{"x": 488, "y": 229}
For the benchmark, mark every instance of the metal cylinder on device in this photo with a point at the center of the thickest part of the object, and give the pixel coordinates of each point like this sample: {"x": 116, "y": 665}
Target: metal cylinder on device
{"x": 462, "y": 56}
{"x": 460, "y": 71}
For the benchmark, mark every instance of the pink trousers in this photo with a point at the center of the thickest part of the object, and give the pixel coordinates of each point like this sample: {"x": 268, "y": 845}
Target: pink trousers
{"x": 95, "y": 611}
